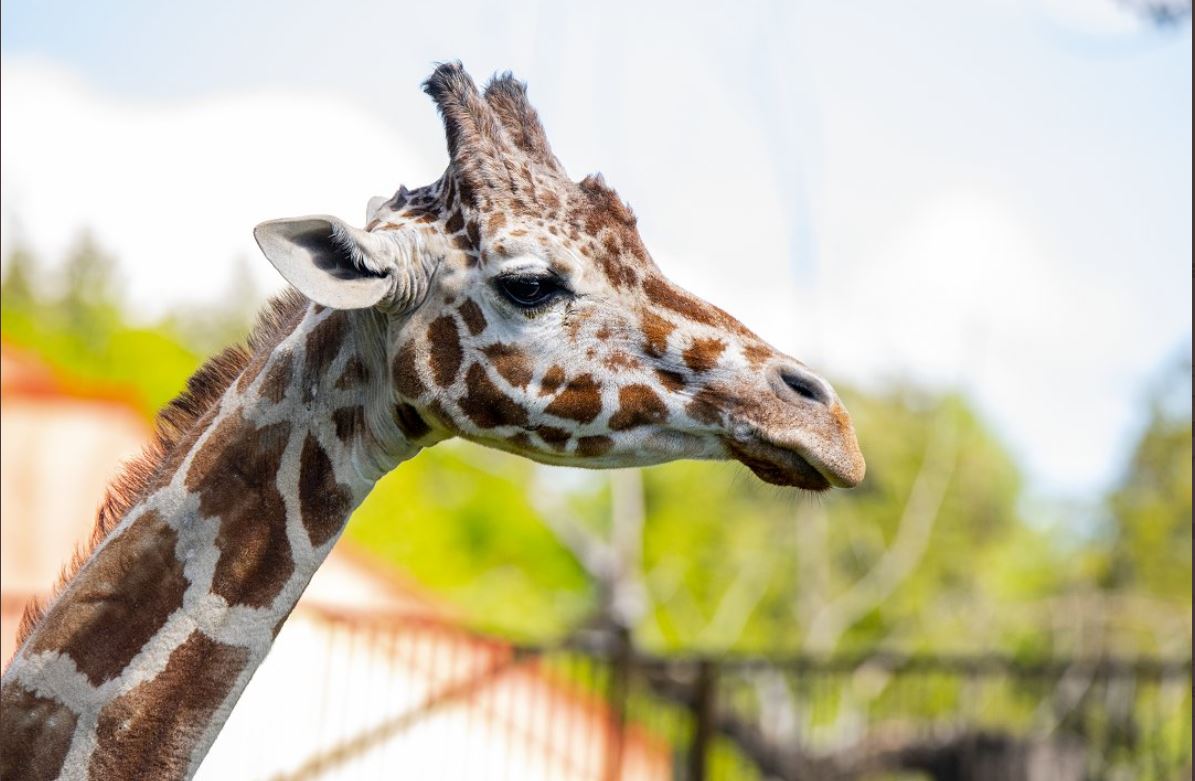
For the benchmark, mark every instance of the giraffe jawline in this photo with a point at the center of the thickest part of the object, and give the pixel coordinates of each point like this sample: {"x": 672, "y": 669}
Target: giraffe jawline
{"x": 778, "y": 466}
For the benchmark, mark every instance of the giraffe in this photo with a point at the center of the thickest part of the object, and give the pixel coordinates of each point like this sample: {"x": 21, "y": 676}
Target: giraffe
{"x": 505, "y": 304}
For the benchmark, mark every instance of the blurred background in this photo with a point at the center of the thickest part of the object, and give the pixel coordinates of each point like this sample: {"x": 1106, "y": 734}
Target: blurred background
{"x": 975, "y": 218}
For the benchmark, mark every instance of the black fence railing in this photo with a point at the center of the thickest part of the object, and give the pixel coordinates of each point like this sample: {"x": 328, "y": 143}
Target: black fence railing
{"x": 418, "y": 698}
{"x": 939, "y": 717}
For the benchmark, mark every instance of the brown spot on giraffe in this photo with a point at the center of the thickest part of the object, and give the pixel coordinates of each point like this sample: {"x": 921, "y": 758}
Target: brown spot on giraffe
{"x": 349, "y": 422}
{"x": 323, "y": 502}
{"x": 552, "y": 380}
{"x": 703, "y": 354}
{"x": 496, "y": 222}
{"x": 251, "y": 371}
{"x": 36, "y": 736}
{"x": 405, "y": 374}
{"x": 614, "y": 265}
{"x": 510, "y": 363}
{"x": 444, "y": 343}
{"x": 618, "y": 360}
{"x": 581, "y": 400}
{"x": 486, "y": 405}
{"x": 455, "y": 222}
{"x": 555, "y": 438}
{"x": 574, "y": 321}
{"x": 663, "y": 293}
{"x": 705, "y": 407}
{"x": 234, "y": 474}
{"x": 472, "y": 316}
{"x": 638, "y": 405}
{"x": 466, "y": 194}
{"x": 841, "y": 418}
{"x": 150, "y": 731}
{"x": 593, "y": 447}
{"x": 656, "y": 331}
{"x": 355, "y": 374}
{"x": 324, "y": 342}
{"x": 136, "y": 586}
{"x": 671, "y": 380}
{"x": 757, "y": 354}
{"x": 278, "y": 378}
{"x": 409, "y": 422}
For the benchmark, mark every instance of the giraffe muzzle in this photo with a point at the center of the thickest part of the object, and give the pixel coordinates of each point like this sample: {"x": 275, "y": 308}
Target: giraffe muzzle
{"x": 804, "y": 436}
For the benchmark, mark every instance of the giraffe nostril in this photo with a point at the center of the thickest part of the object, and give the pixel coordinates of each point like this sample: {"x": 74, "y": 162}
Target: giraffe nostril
{"x": 806, "y": 385}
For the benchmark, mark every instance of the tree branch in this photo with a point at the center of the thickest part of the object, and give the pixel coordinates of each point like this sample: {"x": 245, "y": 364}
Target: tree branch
{"x": 908, "y": 547}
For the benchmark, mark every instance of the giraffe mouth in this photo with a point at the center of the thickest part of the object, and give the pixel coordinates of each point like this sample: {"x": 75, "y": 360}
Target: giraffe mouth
{"x": 778, "y": 466}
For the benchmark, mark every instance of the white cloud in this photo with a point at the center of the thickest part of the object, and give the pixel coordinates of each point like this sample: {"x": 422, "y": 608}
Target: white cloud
{"x": 969, "y": 294}
{"x": 174, "y": 190}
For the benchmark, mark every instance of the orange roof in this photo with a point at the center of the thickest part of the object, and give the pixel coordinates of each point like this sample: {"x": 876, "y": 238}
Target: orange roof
{"x": 24, "y": 375}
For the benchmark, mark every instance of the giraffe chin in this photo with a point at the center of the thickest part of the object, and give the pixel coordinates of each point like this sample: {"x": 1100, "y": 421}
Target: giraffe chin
{"x": 778, "y": 466}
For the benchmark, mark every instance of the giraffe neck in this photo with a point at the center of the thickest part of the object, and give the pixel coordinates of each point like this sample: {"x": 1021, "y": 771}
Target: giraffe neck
{"x": 138, "y": 662}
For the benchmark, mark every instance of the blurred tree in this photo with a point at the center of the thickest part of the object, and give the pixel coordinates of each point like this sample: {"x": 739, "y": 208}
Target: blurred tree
{"x": 88, "y": 277}
{"x": 18, "y": 286}
{"x": 1149, "y": 547}
{"x": 209, "y": 328}
{"x": 82, "y": 329}
{"x": 730, "y": 562}
{"x": 460, "y": 520}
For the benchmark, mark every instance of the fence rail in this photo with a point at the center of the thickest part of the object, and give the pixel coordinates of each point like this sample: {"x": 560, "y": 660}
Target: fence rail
{"x": 421, "y": 698}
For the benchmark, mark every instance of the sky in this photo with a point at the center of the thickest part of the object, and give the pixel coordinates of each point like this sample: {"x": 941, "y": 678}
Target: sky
{"x": 993, "y": 196}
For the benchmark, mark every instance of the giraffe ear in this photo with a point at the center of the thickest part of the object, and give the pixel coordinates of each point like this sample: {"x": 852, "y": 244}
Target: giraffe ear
{"x": 329, "y": 261}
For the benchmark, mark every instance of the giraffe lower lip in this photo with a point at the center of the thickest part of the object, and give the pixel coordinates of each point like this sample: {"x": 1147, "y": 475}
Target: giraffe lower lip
{"x": 778, "y": 466}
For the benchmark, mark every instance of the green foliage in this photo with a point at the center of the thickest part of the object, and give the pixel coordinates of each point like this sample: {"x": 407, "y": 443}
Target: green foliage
{"x": 719, "y": 543}
{"x": 82, "y": 330}
{"x": 458, "y": 519}
{"x": 1149, "y": 549}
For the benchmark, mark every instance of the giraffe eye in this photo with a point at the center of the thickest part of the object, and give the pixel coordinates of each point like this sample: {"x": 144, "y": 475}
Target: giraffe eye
{"x": 529, "y": 292}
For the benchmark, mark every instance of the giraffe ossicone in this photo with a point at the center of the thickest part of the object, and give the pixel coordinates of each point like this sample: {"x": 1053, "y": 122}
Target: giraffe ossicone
{"x": 505, "y": 304}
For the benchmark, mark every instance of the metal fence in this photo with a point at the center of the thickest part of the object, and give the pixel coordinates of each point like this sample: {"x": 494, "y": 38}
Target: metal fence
{"x": 420, "y": 698}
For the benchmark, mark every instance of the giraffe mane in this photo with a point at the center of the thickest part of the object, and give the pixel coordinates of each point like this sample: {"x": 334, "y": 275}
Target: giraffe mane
{"x": 176, "y": 421}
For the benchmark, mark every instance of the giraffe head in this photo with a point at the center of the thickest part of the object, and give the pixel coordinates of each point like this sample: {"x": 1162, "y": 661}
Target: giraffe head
{"x": 520, "y": 309}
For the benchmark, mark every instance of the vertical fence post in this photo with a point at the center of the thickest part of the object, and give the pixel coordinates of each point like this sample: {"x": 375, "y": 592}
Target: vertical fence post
{"x": 621, "y": 659}
{"x": 702, "y": 711}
